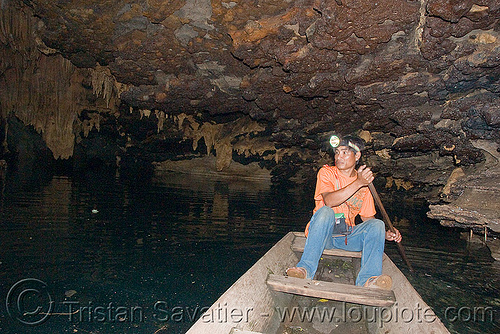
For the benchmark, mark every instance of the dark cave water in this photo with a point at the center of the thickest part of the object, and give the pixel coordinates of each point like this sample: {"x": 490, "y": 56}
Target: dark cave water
{"x": 116, "y": 255}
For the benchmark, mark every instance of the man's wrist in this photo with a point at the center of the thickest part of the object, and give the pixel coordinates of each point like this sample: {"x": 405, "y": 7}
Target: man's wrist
{"x": 359, "y": 184}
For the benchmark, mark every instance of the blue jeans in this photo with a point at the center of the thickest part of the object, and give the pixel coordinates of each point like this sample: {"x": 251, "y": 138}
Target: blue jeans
{"x": 367, "y": 237}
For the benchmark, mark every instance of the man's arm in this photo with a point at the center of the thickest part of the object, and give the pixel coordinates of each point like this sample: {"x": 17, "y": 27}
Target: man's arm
{"x": 337, "y": 197}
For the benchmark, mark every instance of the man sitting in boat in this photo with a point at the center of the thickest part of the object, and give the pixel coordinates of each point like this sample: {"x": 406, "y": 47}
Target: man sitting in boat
{"x": 342, "y": 193}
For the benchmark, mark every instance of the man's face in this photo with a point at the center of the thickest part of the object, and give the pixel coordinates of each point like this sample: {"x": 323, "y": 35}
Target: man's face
{"x": 345, "y": 158}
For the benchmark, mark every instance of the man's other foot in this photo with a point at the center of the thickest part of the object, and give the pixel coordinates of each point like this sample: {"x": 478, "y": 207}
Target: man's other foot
{"x": 298, "y": 272}
{"x": 380, "y": 282}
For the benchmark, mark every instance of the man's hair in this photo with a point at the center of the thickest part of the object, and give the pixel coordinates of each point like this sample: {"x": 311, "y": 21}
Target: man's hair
{"x": 355, "y": 143}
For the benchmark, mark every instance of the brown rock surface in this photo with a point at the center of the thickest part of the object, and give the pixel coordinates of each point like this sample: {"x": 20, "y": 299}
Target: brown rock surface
{"x": 472, "y": 197}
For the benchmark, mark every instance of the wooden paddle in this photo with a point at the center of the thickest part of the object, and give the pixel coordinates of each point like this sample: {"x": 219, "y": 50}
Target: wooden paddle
{"x": 387, "y": 220}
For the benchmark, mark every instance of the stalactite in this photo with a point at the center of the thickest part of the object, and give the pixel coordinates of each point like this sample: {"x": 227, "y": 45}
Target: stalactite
{"x": 46, "y": 91}
{"x": 41, "y": 91}
{"x": 102, "y": 83}
{"x": 145, "y": 112}
{"x": 257, "y": 146}
{"x": 399, "y": 183}
{"x": 160, "y": 115}
{"x": 224, "y": 154}
{"x": 93, "y": 122}
{"x": 223, "y": 138}
{"x": 105, "y": 86}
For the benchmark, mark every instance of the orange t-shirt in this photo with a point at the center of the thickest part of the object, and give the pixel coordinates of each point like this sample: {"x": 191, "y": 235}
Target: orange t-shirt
{"x": 360, "y": 203}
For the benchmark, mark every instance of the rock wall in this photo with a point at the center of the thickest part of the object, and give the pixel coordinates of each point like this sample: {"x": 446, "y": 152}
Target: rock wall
{"x": 40, "y": 90}
{"x": 45, "y": 90}
{"x": 470, "y": 196}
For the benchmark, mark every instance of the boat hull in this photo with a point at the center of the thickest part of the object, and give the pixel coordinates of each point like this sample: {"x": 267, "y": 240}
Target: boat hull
{"x": 250, "y": 306}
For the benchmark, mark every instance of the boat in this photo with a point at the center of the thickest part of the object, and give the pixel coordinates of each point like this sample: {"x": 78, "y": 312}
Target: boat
{"x": 264, "y": 300}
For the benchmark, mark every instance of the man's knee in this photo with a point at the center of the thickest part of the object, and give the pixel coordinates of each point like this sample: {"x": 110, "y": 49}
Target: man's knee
{"x": 377, "y": 227}
{"x": 324, "y": 215}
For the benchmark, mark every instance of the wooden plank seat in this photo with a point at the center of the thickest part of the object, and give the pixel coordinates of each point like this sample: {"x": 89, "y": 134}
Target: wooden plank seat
{"x": 330, "y": 290}
{"x": 300, "y": 241}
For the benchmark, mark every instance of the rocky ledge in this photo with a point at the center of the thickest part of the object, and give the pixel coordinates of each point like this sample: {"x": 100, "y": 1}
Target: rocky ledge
{"x": 471, "y": 196}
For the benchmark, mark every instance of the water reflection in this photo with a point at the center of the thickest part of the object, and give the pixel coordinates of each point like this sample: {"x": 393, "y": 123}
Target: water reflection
{"x": 174, "y": 239}
{"x": 182, "y": 240}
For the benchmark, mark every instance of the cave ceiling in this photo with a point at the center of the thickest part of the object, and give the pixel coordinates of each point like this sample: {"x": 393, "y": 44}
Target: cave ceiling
{"x": 281, "y": 56}
{"x": 425, "y": 73}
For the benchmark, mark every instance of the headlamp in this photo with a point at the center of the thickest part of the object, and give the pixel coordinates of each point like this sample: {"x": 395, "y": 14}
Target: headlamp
{"x": 334, "y": 141}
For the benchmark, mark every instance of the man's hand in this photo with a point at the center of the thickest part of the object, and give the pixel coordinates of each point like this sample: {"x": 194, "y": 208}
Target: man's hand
{"x": 391, "y": 236}
{"x": 365, "y": 175}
